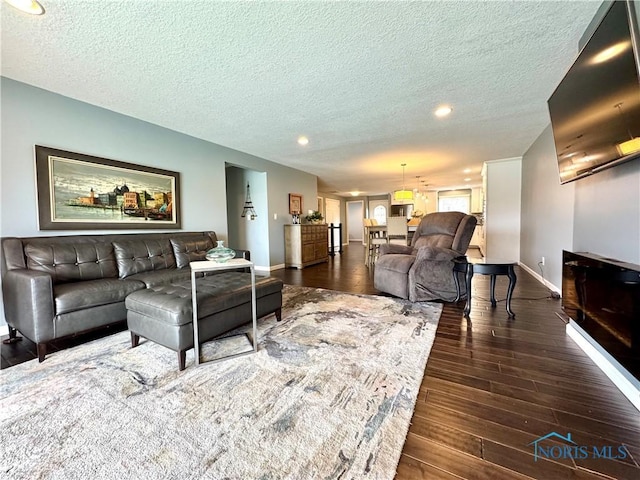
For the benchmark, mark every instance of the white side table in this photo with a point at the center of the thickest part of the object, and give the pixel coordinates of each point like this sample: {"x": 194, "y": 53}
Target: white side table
{"x": 208, "y": 266}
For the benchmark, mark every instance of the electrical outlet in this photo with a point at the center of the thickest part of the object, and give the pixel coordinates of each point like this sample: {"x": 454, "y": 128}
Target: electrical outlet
{"x": 542, "y": 261}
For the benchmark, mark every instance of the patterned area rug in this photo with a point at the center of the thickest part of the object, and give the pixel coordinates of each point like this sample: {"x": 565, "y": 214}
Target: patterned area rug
{"x": 329, "y": 395}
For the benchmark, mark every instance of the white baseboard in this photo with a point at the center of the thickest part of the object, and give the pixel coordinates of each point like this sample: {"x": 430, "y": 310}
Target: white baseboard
{"x": 626, "y": 383}
{"x": 260, "y": 268}
{"x": 543, "y": 281}
{"x": 4, "y": 330}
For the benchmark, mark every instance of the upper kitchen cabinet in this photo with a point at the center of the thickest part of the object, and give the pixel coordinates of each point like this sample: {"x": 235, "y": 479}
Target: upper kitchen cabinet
{"x": 477, "y": 200}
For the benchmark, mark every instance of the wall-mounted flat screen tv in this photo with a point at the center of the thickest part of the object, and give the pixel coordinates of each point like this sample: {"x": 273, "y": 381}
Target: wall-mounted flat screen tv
{"x": 595, "y": 111}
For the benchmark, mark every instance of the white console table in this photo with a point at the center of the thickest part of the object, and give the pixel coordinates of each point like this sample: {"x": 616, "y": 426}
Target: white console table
{"x": 208, "y": 266}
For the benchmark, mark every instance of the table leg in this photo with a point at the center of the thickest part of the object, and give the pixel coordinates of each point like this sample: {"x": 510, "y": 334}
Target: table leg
{"x": 253, "y": 309}
{"x": 456, "y": 280}
{"x": 492, "y": 288}
{"x": 512, "y": 284}
{"x": 467, "y": 283}
{"x": 367, "y": 241}
{"x": 194, "y": 307}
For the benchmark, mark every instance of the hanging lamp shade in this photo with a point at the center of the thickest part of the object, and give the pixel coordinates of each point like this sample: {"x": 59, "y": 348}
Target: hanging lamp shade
{"x": 404, "y": 194}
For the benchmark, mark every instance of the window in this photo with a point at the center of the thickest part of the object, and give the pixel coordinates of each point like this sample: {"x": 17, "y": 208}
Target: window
{"x": 380, "y": 214}
{"x": 454, "y": 201}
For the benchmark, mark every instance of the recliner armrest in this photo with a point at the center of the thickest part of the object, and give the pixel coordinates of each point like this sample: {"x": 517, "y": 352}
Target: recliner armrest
{"x": 436, "y": 254}
{"x": 28, "y": 303}
{"x": 386, "y": 248}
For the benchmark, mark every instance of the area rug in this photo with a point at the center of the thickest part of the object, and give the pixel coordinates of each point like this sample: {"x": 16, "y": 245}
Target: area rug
{"x": 328, "y": 395}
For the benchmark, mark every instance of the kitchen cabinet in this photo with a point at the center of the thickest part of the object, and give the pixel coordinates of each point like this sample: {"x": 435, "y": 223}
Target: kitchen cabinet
{"x": 477, "y": 240}
{"x": 477, "y": 200}
{"x": 305, "y": 245}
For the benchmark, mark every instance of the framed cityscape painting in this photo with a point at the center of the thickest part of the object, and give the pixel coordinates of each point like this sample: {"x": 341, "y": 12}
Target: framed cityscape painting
{"x": 82, "y": 192}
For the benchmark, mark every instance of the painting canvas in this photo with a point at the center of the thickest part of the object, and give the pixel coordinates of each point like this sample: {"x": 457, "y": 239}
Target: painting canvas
{"x": 77, "y": 191}
{"x": 295, "y": 203}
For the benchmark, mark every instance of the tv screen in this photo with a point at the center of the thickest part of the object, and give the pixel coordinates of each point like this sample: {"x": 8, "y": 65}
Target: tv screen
{"x": 595, "y": 111}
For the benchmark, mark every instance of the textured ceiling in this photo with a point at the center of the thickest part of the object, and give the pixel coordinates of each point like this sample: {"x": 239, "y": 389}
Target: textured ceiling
{"x": 360, "y": 79}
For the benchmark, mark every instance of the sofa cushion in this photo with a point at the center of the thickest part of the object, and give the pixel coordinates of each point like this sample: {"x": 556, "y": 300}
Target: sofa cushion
{"x": 70, "y": 297}
{"x": 137, "y": 256}
{"x": 72, "y": 262}
{"x": 160, "y": 277}
{"x": 190, "y": 249}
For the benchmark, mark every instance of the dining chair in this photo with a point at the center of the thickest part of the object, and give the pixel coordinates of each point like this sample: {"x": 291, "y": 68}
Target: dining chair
{"x": 397, "y": 230}
{"x": 376, "y": 236}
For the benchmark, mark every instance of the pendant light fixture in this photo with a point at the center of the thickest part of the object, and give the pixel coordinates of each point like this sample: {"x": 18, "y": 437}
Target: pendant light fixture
{"x": 248, "y": 207}
{"x": 402, "y": 195}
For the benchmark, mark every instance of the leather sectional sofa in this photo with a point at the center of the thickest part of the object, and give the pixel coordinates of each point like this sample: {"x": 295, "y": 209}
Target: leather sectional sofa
{"x": 55, "y": 287}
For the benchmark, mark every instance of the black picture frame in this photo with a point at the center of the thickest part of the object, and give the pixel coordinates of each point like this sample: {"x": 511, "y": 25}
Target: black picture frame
{"x": 83, "y": 192}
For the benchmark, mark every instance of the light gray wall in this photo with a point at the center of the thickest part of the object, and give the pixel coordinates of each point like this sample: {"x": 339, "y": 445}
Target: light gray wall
{"x": 607, "y": 213}
{"x": 547, "y": 210}
{"x": 598, "y": 214}
{"x": 244, "y": 233}
{"x": 32, "y": 116}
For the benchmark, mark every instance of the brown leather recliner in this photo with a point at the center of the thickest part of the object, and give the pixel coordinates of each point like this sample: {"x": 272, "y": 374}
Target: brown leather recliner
{"x": 423, "y": 271}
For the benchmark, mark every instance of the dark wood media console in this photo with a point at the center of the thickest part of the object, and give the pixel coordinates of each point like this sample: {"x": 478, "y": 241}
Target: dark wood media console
{"x": 602, "y": 295}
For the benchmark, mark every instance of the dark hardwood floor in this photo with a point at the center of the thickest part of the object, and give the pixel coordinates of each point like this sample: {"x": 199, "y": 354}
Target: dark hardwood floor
{"x": 492, "y": 386}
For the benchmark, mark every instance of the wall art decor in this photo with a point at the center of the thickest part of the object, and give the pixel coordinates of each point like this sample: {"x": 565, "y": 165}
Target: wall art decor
{"x": 83, "y": 192}
{"x": 295, "y": 203}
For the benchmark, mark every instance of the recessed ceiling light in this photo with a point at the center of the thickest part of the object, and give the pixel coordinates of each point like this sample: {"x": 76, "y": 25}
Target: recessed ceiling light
{"x": 466, "y": 170}
{"x": 302, "y": 140}
{"x": 355, "y": 193}
{"x": 443, "y": 111}
{"x": 467, "y": 179}
{"x": 32, "y": 7}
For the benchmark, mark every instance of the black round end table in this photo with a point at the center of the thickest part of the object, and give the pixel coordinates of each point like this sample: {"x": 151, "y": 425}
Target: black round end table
{"x": 484, "y": 266}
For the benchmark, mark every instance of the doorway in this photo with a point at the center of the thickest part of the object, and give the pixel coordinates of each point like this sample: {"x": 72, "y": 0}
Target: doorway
{"x": 355, "y": 225}
{"x": 242, "y": 232}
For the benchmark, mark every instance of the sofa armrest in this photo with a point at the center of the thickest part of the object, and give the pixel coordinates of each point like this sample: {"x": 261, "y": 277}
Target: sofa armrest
{"x": 28, "y": 303}
{"x": 246, "y": 254}
{"x": 386, "y": 248}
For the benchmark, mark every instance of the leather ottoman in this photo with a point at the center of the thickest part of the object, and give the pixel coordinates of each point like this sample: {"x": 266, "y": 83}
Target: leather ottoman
{"x": 164, "y": 314}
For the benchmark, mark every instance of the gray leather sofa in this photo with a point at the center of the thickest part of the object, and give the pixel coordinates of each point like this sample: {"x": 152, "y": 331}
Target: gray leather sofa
{"x": 54, "y": 287}
{"x": 423, "y": 271}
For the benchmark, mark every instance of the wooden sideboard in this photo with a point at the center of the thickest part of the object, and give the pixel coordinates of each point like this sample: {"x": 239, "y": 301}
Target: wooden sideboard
{"x": 305, "y": 245}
